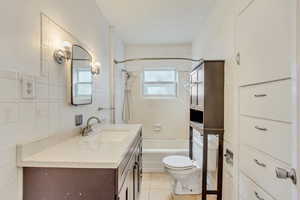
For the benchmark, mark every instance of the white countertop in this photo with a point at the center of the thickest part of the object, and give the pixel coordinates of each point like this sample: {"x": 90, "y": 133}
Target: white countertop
{"x": 106, "y": 148}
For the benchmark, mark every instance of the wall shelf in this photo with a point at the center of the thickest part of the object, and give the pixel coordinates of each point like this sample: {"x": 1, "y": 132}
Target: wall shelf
{"x": 199, "y": 127}
{"x": 197, "y": 107}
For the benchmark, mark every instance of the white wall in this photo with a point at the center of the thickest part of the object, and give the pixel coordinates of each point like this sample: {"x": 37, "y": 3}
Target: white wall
{"x": 171, "y": 113}
{"x": 25, "y": 120}
{"x": 298, "y": 86}
{"x": 217, "y": 41}
{"x": 119, "y": 77}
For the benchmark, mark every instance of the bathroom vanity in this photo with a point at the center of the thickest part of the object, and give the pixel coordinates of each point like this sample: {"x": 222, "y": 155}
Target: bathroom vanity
{"x": 105, "y": 166}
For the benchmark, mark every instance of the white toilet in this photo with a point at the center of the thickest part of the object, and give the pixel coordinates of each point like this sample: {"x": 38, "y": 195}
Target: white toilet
{"x": 187, "y": 173}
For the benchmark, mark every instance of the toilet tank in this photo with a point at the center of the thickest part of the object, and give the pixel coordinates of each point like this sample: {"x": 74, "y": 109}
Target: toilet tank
{"x": 212, "y": 150}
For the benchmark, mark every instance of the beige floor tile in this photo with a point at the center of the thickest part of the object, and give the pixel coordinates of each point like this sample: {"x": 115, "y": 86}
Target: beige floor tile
{"x": 159, "y": 194}
{"x": 146, "y": 176}
{"x": 158, "y": 186}
{"x": 161, "y": 181}
{"x": 185, "y": 197}
{"x": 211, "y": 198}
{"x": 144, "y": 195}
{"x": 146, "y": 181}
{"x": 190, "y": 197}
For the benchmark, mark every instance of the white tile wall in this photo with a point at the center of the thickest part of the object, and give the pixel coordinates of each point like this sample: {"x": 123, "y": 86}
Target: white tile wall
{"x": 49, "y": 113}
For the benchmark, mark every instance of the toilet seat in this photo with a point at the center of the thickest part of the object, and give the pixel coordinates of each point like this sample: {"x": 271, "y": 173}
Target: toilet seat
{"x": 178, "y": 162}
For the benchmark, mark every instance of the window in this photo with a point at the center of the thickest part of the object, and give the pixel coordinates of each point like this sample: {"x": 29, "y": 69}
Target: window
{"x": 159, "y": 83}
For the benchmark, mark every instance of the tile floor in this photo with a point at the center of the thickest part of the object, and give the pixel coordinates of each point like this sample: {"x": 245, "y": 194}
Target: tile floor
{"x": 157, "y": 186}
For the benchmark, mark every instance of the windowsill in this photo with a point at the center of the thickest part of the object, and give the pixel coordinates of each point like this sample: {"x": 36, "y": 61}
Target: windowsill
{"x": 160, "y": 97}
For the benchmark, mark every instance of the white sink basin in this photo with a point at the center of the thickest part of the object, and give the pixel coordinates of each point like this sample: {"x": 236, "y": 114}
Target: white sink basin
{"x": 104, "y": 129}
{"x": 112, "y": 136}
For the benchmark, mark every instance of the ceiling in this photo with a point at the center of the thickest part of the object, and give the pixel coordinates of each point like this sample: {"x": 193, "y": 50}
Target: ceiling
{"x": 156, "y": 21}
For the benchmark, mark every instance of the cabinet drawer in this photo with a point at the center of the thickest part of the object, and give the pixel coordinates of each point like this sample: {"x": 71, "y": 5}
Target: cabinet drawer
{"x": 262, "y": 170}
{"x": 267, "y": 136}
{"x": 249, "y": 190}
{"x": 270, "y": 100}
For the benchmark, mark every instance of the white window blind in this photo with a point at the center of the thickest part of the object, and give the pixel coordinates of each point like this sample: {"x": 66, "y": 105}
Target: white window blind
{"x": 160, "y": 83}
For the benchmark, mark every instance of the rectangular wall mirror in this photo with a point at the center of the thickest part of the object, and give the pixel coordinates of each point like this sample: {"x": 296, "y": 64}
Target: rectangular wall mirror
{"x": 81, "y": 76}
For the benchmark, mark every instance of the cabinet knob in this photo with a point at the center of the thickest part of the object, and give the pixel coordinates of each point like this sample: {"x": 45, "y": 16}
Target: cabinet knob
{"x": 284, "y": 174}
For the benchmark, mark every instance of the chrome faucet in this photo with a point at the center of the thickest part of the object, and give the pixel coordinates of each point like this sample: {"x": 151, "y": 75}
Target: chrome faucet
{"x": 86, "y": 130}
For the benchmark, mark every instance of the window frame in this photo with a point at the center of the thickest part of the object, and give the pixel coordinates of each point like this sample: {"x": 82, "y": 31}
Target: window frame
{"x": 159, "y": 96}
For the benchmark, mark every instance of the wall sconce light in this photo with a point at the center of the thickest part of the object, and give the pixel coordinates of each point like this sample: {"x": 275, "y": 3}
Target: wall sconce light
{"x": 61, "y": 55}
{"x": 96, "y": 68}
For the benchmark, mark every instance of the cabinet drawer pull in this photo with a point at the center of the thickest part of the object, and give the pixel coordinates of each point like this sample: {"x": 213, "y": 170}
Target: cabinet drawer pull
{"x": 261, "y": 129}
{"x": 260, "y": 95}
{"x": 259, "y": 163}
{"x": 258, "y": 197}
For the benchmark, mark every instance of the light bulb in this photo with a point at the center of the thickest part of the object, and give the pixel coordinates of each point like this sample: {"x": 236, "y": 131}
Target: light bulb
{"x": 67, "y": 45}
{"x": 96, "y": 68}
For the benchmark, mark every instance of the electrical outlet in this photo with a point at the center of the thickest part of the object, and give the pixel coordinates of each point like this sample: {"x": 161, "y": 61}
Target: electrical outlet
{"x": 156, "y": 128}
{"x": 78, "y": 120}
{"x": 28, "y": 87}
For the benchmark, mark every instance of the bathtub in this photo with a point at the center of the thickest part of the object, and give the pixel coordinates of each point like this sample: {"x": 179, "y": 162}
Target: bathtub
{"x": 154, "y": 150}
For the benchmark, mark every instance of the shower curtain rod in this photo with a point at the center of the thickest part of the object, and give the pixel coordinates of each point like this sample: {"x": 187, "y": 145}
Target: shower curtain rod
{"x": 144, "y": 59}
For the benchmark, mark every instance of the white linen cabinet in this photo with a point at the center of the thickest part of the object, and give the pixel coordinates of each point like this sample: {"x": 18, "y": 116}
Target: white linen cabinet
{"x": 264, "y": 48}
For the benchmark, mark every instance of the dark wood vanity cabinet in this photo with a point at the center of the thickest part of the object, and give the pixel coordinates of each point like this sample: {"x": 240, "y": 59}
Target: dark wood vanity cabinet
{"x": 130, "y": 177}
{"x": 122, "y": 183}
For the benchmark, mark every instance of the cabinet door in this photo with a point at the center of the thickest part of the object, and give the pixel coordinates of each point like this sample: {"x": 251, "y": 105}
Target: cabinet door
{"x": 194, "y": 87}
{"x": 127, "y": 191}
{"x": 135, "y": 182}
{"x": 200, "y": 84}
{"x": 140, "y": 168}
{"x": 124, "y": 193}
{"x": 131, "y": 195}
{"x": 265, "y": 41}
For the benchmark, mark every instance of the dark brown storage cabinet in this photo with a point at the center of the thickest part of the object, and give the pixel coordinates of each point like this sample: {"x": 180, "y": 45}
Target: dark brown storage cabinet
{"x": 207, "y": 114}
{"x": 207, "y": 94}
{"x": 122, "y": 183}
